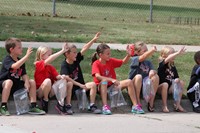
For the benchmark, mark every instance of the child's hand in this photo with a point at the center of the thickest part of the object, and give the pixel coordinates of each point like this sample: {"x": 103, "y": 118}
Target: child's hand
{"x": 97, "y": 36}
{"x": 182, "y": 50}
{"x": 65, "y": 47}
{"x": 27, "y": 85}
{"x": 116, "y": 82}
{"x": 83, "y": 87}
{"x": 29, "y": 51}
{"x": 130, "y": 50}
{"x": 154, "y": 48}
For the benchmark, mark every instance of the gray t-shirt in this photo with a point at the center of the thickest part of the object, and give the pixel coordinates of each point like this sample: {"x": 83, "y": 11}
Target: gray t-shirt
{"x": 137, "y": 67}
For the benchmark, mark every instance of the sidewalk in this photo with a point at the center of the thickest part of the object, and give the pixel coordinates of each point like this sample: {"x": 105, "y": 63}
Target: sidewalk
{"x": 112, "y": 46}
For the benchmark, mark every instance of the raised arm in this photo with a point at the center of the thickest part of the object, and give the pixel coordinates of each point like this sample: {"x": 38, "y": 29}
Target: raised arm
{"x": 147, "y": 54}
{"x": 89, "y": 44}
{"x": 174, "y": 55}
{"x": 20, "y": 62}
{"x": 55, "y": 55}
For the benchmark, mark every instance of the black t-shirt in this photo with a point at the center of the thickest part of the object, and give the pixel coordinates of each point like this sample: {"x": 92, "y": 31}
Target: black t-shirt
{"x": 8, "y": 73}
{"x": 195, "y": 76}
{"x": 73, "y": 70}
{"x": 166, "y": 73}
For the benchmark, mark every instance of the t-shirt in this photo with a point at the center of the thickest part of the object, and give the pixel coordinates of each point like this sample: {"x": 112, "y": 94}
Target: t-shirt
{"x": 167, "y": 74}
{"x": 8, "y": 73}
{"x": 137, "y": 67}
{"x": 73, "y": 70}
{"x": 43, "y": 71}
{"x": 106, "y": 70}
{"x": 195, "y": 76}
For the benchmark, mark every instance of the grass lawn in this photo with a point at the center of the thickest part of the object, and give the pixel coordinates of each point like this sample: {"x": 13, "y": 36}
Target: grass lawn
{"x": 120, "y": 21}
{"x": 184, "y": 64}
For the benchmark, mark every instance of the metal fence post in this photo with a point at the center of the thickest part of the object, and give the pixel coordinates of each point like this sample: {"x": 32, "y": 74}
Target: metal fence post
{"x": 151, "y": 11}
{"x": 54, "y": 8}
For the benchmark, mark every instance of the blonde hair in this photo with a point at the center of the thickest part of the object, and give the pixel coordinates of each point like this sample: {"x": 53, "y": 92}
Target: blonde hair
{"x": 164, "y": 53}
{"x": 41, "y": 51}
{"x": 138, "y": 46}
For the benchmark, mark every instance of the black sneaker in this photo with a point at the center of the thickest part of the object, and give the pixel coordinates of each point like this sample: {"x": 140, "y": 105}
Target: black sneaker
{"x": 60, "y": 109}
{"x": 68, "y": 109}
{"x": 94, "y": 109}
{"x": 44, "y": 105}
{"x": 197, "y": 109}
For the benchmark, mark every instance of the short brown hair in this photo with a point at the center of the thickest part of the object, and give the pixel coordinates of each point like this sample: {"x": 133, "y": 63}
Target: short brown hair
{"x": 11, "y": 43}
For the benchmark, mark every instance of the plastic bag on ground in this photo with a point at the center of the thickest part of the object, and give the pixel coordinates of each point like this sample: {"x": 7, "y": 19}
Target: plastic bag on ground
{"x": 147, "y": 89}
{"x": 116, "y": 97}
{"x": 82, "y": 99}
{"x": 21, "y": 101}
{"x": 59, "y": 89}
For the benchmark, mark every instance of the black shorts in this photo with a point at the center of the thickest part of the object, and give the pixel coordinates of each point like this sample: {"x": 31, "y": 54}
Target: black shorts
{"x": 16, "y": 86}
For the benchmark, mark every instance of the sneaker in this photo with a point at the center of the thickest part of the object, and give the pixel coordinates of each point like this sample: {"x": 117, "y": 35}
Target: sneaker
{"x": 44, "y": 105}
{"x": 106, "y": 110}
{"x": 68, "y": 110}
{"x": 60, "y": 109}
{"x": 94, "y": 109}
{"x": 4, "y": 111}
{"x": 36, "y": 111}
{"x": 137, "y": 110}
{"x": 197, "y": 109}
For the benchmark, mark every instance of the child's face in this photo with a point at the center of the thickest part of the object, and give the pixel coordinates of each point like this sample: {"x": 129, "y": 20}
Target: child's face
{"x": 17, "y": 50}
{"x": 46, "y": 55}
{"x": 72, "y": 54}
{"x": 142, "y": 50}
{"x": 105, "y": 55}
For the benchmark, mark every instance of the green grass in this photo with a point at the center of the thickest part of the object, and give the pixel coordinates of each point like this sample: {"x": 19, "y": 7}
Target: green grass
{"x": 183, "y": 63}
{"x": 120, "y": 21}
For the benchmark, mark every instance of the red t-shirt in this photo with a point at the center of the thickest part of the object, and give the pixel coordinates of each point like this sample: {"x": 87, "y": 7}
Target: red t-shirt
{"x": 44, "y": 71}
{"x": 107, "y": 70}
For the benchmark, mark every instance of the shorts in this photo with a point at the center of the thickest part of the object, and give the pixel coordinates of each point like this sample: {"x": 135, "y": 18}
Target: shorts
{"x": 16, "y": 86}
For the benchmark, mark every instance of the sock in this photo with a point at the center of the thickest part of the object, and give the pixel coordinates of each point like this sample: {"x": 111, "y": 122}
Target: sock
{"x": 91, "y": 104}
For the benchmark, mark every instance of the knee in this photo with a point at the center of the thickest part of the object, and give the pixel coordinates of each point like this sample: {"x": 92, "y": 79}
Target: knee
{"x": 138, "y": 77}
{"x": 93, "y": 85}
{"x": 47, "y": 82}
{"x": 8, "y": 83}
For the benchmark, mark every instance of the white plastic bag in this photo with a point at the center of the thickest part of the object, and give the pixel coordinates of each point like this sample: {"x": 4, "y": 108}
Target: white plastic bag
{"x": 116, "y": 97}
{"x": 176, "y": 88}
{"x": 82, "y": 99}
{"x": 59, "y": 89}
{"x": 147, "y": 89}
{"x": 21, "y": 101}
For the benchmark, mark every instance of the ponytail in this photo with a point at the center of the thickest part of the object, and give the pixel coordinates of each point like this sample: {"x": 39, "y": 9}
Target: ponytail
{"x": 94, "y": 57}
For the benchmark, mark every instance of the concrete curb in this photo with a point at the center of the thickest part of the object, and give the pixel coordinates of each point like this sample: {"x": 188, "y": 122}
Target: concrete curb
{"x": 119, "y": 110}
{"x": 112, "y": 46}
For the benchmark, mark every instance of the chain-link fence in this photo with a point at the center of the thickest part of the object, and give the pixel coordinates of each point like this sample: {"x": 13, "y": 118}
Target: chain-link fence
{"x": 164, "y": 11}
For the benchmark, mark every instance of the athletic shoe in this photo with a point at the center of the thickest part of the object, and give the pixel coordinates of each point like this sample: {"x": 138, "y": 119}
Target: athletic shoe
{"x": 4, "y": 111}
{"x": 44, "y": 105}
{"x": 60, "y": 109}
{"x": 36, "y": 111}
{"x": 94, "y": 109}
{"x": 68, "y": 109}
{"x": 106, "y": 110}
{"x": 197, "y": 109}
{"x": 137, "y": 110}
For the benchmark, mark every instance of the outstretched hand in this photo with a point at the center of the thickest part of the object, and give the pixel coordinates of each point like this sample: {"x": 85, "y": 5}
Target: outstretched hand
{"x": 29, "y": 51}
{"x": 97, "y": 35}
{"x": 154, "y": 48}
{"x": 65, "y": 47}
{"x": 182, "y": 50}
